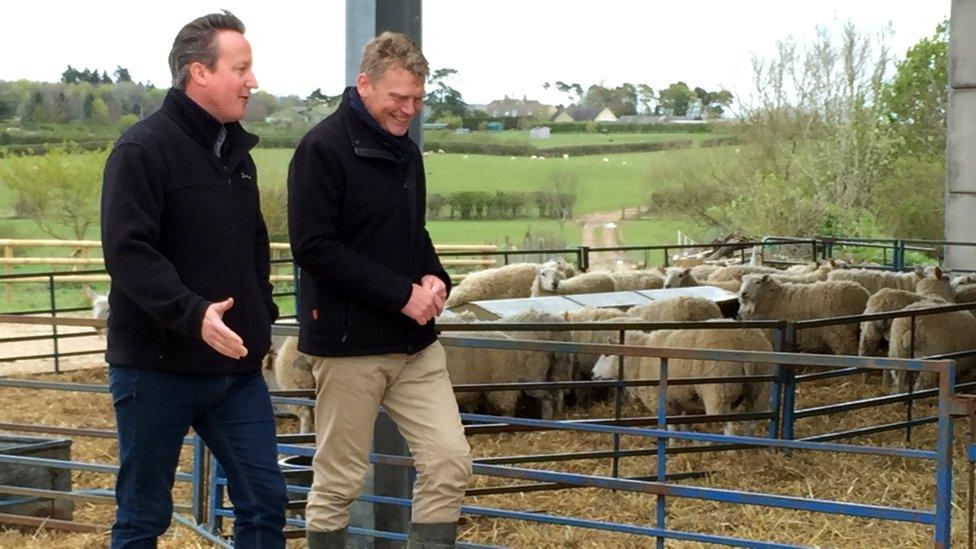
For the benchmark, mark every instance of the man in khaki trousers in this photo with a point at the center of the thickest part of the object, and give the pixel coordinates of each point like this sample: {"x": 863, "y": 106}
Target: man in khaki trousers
{"x": 371, "y": 284}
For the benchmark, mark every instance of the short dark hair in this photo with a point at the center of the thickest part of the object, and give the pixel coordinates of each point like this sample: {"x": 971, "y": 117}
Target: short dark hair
{"x": 195, "y": 43}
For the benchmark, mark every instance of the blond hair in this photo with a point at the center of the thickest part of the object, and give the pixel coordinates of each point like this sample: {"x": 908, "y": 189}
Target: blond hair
{"x": 393, "y": 49}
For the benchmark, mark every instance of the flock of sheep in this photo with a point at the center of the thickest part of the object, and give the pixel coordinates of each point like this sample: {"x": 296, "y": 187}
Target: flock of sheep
{"x": 802, "y": 292}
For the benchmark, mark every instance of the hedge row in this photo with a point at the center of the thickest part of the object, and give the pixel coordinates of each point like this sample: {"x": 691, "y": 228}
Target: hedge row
{"x": 516, "y": 149}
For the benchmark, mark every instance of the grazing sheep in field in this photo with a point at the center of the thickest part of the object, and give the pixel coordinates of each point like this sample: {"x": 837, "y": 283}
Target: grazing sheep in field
{"x": 507, "y": 282}
{"x": 293, "y": 370}
{"x": 710, "y": 399}
{"x": 550, "y": 281}
{"x": 637, "y": 280}
{"x": 935, "y": 334}
{"x": 875, "y": 280}
{"x": 677, "y": 309}
{"x": 763, "y": 298}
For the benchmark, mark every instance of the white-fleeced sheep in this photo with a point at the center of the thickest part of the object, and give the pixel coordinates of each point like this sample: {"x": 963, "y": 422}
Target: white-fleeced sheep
{"x": 637, "y": 280}
{"x": 100, "y": 307}
{"x": 875, "y": 333}
{"x": 726, "y": 274}
{"x": 550, "y": 281}
{"x": 685, "y": 278}
{"x": 712, "y": 399}
{"x": 763, "y": 298}
{"x": 964, "y": 293}
{"x": 293, "y": 370}
{"x": 873, "y": 280}
{"x": 935, "y": 334}
{"x": 677, "y": 309}
{"x": 507, "y": 282}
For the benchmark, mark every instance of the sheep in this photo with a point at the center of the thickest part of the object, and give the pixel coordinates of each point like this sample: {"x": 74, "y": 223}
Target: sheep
{"x": 677, "y": 309}
{"x": 558, "y": 366}
{"x": 100, "y": 306}
{"x": 875, "y": 333}
{"x": 701, "y": 272}
{"x": 584, "y": 362}
{"x": 637, "y": 280}
{"x": 507, "y": 282}
{"x": 935, "y": 334}
{"x": 550, "y": 281}
{"x": 965, "y": 293}
{"x": 726, "y": 274}
{"x": 874, "y": 280}
{"x": 467, "y": 365}
{"x": 963, "y": 280}
{"x": 763, "y": 298}
{"x": 293, "y": 370}
{"x": 935, "y": 286}
{"x": 685, "y": 278}
{"x": 711, "y": 399}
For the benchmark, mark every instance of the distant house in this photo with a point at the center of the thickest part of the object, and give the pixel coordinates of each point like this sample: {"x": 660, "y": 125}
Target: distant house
{"x": 583, "y": 114}
{"x": 521, "y": 108}
{"x": 642, "y": 119}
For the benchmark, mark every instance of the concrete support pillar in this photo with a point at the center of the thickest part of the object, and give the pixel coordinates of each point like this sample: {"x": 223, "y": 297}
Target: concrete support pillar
{"x": 960, "y": 201}
{"x": 364, "y": 20}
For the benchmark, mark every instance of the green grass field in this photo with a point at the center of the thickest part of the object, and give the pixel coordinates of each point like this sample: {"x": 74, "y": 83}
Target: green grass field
{"x": 624, "y": 180}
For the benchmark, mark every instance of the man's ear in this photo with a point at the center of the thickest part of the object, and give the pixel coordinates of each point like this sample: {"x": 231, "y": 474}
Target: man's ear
{"x": 198, "y": 73}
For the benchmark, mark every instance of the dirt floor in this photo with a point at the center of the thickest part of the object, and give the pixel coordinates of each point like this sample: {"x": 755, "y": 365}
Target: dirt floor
{"x": 875, "y": 480}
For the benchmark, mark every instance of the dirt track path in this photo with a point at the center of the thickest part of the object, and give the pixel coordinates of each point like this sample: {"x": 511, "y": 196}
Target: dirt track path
{"x": 607, "y": 223}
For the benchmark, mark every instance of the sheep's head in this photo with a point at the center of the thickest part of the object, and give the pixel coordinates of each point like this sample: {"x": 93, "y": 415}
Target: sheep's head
{"x": 549, "y": 278}
{"x": 100, "y": 306}
{"x": 561, "y": 265}
{"x": 754, "y": 289}
{"x": 678, "y": 278}
{"x": 963, "y": 280}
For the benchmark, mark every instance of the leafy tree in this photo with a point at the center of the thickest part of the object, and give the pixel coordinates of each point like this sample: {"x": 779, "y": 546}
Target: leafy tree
{"x": 916, "y": 99}
{"x": 58, "y": 190}
{"x": 122, "y": 74}
{"x": 621, "y": 100}
{"x": 675, "y": 99}
{"x": 5, "y": 110}
{"x": 442, "y": 99}
{"x": 713, "y": 103}
{"x": 574, "y": 88}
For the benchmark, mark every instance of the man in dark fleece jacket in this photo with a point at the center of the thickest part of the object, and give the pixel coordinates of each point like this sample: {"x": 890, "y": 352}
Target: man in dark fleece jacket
{"x": 371, "y": 284}
{"x": 187, "y": 250}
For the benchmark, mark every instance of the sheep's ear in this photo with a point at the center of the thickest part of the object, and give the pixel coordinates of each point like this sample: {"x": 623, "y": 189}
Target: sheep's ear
{"x": 687, "y": 272}
{"x": 765, "y": 278}
{"x": 919, "y": 271}
{"x": 737, "y": 276}
{"x": 833, "y": 264}
{"x": 661, "y": 269}
{"x": 938, "y": 273}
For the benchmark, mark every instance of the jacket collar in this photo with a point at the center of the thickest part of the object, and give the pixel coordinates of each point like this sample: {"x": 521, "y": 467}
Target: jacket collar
{"x": 367, "y": 137}
{"x": 202, "y": 127}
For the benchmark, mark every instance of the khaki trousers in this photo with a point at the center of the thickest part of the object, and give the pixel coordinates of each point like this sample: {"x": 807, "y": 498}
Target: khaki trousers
{"x": 416, "y": 393}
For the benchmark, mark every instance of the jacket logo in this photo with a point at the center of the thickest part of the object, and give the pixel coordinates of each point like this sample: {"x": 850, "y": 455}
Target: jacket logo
{"x": 245, "y": 176}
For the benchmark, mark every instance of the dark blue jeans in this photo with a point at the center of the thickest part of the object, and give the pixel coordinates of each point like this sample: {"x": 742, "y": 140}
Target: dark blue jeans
{"x": 233, "y": 416}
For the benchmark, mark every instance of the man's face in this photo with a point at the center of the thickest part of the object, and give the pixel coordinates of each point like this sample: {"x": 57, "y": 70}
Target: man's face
{"x": 394, "y": 99}
{"x": 226, "y": 88}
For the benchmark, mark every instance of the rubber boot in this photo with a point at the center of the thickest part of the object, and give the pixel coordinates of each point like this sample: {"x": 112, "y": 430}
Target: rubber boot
{"x": 439, "y": 535}
{"x": 326, "y": 540}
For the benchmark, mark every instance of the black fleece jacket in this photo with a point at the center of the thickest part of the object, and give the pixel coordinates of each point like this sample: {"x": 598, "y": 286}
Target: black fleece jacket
{"x": 182, "y": 228}
{"x": 356, "y": 204}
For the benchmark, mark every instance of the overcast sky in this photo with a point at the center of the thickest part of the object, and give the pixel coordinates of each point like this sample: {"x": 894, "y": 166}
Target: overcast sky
{"x": 499, "y": 47}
